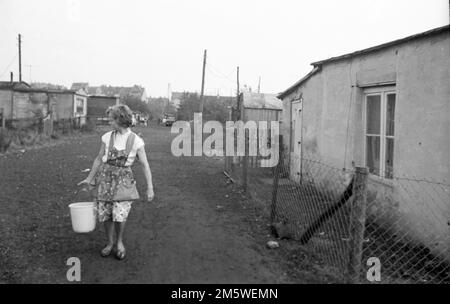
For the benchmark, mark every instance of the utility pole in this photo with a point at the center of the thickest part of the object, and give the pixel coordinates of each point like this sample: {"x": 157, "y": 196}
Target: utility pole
{"x": 166, "y": 106}
{"x": 12, "y": 95}
{"x": 259, "y": 85}
{"x": 20, "y": 58}
{"x": 237, "y": 96}
{"x": 168, "y": 91}
{"x": 203, "y": 83}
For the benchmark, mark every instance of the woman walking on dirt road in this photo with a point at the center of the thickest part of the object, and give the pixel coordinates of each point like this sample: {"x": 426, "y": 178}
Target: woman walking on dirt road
{"x": 113, "y": 178}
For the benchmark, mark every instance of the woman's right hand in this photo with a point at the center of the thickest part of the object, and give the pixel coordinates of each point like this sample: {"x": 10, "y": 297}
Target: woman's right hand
{"x": 85, "y": 181}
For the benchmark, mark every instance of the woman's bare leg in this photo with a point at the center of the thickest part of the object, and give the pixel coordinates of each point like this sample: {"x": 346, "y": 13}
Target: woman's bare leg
{"x": 120, "y": 227}
{"x": 109, "y": 228}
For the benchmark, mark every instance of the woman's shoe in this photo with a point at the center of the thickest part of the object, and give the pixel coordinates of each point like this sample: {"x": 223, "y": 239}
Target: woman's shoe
{"x": 106, "y": 251}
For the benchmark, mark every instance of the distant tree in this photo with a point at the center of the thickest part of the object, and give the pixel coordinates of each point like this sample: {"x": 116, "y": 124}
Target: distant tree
{"x": 156, "y": 107}
{"x": 45, "y": 85}
{"x": 214, "y": 107}
{"x": 189, "y": 104}
{"x": 135, "y": 104}
{"x": 170, "y": 109}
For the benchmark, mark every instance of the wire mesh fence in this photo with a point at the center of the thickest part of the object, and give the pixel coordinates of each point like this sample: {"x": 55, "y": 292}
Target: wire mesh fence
{"x": 362, "y": 227}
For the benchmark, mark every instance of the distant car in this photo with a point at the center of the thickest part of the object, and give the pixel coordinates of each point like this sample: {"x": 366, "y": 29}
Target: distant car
{"x": 169, "y": 120}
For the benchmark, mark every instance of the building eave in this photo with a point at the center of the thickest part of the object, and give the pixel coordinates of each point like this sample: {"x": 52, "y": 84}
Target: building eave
{"x": 298, "y": 83}
{"x": 435, "y": 31}
{"x": 318, "y": 64}
{"x": 101, "y": 96}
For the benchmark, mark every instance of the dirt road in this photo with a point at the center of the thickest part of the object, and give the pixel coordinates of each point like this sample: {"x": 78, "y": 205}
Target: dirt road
{"x": 193, "y": 232}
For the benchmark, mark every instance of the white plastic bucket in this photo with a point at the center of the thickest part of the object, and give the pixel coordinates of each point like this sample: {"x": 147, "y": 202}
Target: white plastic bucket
{"x": 83, "y": 216}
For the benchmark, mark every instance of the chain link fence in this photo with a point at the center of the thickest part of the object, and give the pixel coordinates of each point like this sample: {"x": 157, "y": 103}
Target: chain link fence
{"x": 363, "y": 228}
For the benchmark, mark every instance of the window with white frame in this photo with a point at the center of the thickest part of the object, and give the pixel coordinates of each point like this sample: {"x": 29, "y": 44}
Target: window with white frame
{"x": 379, "y": 119}
{"x": 79, "y": 105}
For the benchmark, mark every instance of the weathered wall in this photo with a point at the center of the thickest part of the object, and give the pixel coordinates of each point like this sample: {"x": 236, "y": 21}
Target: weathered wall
{"x": 261, "y": 114}
{"x": 5, "y": 102}
{"x": 311, "y": 95}
{"x": 62, "y": 105}
{"x": 333, "y": 129}
{"x": 29, "y": 105}
{"x": 424, "y": 105}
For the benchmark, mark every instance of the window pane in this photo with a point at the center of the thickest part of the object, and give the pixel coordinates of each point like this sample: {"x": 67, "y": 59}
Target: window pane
{"x": 79, "y": 105}
{"x": 390, "y": 114}
{"x": 373, "y": 114}
{"x": 389, "y": 166}
{"x": 373, "y": 154}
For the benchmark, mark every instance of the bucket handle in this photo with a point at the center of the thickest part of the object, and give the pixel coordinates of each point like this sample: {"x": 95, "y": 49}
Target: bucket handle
{"x": 85, "y": 188}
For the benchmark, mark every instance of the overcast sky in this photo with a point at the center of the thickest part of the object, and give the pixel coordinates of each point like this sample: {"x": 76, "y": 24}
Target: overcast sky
{"x": 154, "y": 43}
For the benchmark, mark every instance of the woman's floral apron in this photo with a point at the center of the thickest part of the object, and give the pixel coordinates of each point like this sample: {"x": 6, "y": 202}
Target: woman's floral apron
{"x": 114, "y": 172}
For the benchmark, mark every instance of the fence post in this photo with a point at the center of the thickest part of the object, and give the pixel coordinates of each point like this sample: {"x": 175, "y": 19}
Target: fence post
{"x": 228, "y": 159}
{"x": 357, "y": 224}
{"x": 276, "y": 175}
{"x": 245, "y": 161}
{"x": 225, "y": 166}
{"x": 51, "y": 122}
{"x": 2, "y": 115}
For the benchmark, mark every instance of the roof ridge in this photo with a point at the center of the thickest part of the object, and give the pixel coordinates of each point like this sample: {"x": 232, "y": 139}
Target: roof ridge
{"x": 384, "y": 45}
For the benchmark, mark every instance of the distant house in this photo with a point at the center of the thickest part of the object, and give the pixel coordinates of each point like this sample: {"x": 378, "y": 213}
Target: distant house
{"x": 260, "y": 107}
{"x": 22, "y": 103}
{"x": 175, "y": 99}
{"x": 385, "y": 108}
{"x": 46, "y": 85}
{"x": 80, "y": 86}
{"x": 97, "y": 106}
{"x": 7, "y": 91}
{"x": 69, "y": 104}
{"x": 135, "y": 92}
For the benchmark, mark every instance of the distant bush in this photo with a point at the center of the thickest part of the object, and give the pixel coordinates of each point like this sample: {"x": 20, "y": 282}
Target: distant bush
{"x": 89, "y": 126}
{"x": 27, "y": 137}
{"x": 5, "y": 141}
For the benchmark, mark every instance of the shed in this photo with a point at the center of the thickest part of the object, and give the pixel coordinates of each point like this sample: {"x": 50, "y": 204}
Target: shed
{"x": 385, "y": 108}
{"x": 97, "y": 106}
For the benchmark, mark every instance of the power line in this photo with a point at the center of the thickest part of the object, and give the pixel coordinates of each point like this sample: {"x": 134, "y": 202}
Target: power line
{"x": 6, "y": 69}
{"x": 220, "y": 74}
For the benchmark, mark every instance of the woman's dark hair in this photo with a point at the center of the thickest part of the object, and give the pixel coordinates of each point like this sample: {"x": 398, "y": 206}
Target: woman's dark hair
{"x": 121, "y": 114}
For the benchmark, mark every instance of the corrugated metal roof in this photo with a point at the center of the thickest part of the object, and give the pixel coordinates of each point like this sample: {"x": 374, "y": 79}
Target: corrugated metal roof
{"x": 13, "y": 85}
{"x": 261, "y": 101}
{"x": 25, "y": 87}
